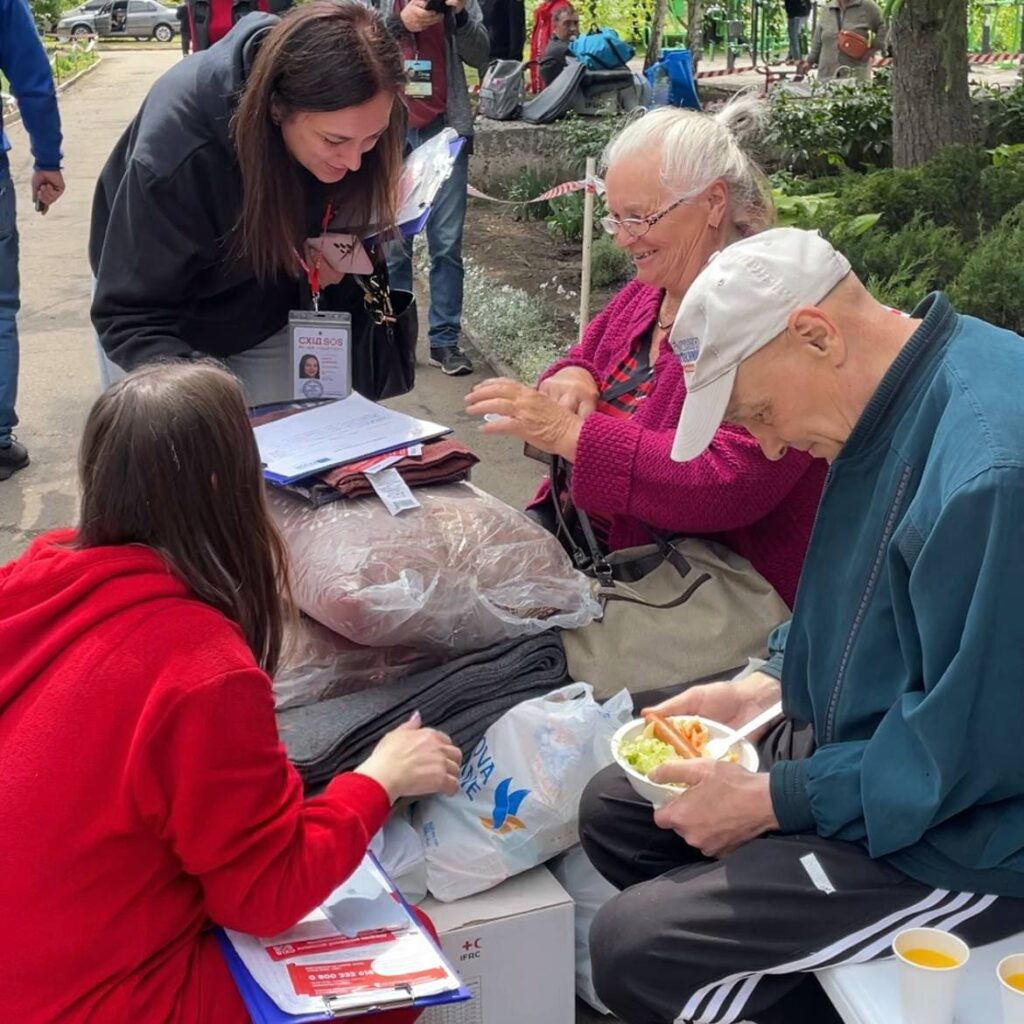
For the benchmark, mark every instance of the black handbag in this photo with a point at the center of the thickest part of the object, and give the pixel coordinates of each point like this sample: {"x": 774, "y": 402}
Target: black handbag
{"x": 385, "y": 325}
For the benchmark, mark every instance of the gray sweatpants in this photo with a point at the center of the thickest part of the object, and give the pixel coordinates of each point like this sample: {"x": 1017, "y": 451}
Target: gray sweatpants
{"x": 266, "y": 370}
{"x": 720, "y": 941}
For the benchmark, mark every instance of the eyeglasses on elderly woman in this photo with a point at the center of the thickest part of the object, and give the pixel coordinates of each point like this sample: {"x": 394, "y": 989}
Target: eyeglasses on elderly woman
{"x": 637, "y": 227}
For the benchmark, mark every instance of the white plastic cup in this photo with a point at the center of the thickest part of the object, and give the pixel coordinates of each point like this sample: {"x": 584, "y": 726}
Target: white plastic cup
{"x": 1013, "y": 998}
{"x": 928, "y": 994}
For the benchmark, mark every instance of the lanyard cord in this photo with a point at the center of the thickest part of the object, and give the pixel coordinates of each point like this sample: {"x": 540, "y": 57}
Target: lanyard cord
{"x": 313, "y": 272}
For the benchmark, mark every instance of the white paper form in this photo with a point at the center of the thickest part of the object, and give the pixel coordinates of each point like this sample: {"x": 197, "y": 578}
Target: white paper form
{"x": 313, "y": 962}
{"x": 329, "y": 435}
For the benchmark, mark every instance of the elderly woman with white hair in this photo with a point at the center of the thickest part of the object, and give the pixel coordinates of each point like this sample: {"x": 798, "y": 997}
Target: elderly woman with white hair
{"x": 679, "y": 187}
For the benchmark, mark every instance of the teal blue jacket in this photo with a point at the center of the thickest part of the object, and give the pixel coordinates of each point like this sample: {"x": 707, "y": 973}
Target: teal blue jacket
{"x": 906, "y": 647}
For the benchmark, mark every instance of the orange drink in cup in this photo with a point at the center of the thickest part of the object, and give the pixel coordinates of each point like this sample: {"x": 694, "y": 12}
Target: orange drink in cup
{"x": 930, "y": 964}
{"x": 1011, "y": 983}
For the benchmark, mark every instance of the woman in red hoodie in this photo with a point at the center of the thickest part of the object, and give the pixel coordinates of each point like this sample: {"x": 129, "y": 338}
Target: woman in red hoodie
{"x": 145, "y": 793}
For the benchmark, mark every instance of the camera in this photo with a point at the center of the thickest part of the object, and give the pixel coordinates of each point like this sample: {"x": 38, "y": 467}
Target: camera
{"x": 437, "y": 6}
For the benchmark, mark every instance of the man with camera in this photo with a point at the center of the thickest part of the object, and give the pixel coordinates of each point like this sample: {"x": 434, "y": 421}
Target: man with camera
{"x": 439, "y": 37}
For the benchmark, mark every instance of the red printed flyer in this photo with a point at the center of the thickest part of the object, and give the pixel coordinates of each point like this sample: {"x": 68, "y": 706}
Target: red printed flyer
{"x": 362, "y": 948}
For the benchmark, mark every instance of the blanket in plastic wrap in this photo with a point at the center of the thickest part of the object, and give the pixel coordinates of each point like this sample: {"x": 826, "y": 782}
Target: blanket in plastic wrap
{"x": 460, "y": 573}
{"x": 462, "y": 698}
{"x": 317, "y": 664}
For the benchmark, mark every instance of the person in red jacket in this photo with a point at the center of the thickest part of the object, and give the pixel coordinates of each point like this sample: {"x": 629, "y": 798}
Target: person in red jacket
{"x": 680, "y": 187}
{"x": 146, "y": 795}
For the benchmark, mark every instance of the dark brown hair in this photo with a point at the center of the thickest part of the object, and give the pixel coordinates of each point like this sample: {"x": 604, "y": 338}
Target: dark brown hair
{"x": 322, "y": 56}
{"x": 168, "y": 459}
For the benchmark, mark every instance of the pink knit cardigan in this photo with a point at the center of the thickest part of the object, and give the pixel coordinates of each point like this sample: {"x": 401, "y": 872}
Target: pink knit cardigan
{"x": 760, "y": 509}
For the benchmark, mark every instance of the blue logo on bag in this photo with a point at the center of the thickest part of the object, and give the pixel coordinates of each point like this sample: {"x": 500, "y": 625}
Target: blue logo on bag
{"x": 506, "y": 804}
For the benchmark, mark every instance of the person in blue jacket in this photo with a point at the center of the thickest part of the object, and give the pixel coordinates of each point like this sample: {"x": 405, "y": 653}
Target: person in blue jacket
{"x": 892, "y": 791}
{"x": 24, "y": 63}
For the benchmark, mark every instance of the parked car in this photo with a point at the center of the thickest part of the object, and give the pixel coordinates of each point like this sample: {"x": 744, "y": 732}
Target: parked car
{"x": 143, "y": 19}
{"x": 78, "y": 22}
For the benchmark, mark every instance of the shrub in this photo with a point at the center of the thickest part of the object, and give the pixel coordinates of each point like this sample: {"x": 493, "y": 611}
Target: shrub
{"x": 991, "y": 283}
{"x": 1002, "y": 186}
{"x": 944, "y": 191}
{"x": 837, "y": 127}
{"x": 513, "y": 325}
{"x": 1006, "y": 118}
{"x": 588, "y": 136}
{"x": 609, "y": 265}
{"x": 528, "y": 185}
{"x": 842, "y": 126}
{"x": 566, "y": 219}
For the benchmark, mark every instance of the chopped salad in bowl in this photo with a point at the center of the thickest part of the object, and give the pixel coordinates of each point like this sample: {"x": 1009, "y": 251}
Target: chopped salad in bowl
{"x": 642, "y": 745}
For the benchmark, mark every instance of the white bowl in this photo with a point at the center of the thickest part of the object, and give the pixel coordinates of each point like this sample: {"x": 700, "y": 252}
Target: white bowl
{"x": 658, "y": 793}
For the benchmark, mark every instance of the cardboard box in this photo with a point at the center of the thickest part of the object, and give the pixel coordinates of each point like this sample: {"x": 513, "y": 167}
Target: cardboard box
{"x": 513, "y": 948}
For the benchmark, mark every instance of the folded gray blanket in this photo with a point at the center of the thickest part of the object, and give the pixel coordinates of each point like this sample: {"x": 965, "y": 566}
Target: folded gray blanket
{"x": 462, "y": 698}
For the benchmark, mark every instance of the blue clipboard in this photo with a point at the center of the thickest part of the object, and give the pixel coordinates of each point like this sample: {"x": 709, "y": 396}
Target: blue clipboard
{"x": 417, "y": 224}
{"x": 264, "y": 1010}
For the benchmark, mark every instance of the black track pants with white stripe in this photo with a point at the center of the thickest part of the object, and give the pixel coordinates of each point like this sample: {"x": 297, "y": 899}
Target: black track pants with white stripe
{"x": 717, "y": 942}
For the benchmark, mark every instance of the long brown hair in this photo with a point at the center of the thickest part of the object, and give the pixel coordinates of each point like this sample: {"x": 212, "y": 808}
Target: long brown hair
{"x": 322, "y": 56}
{"x": 168, "y": 460}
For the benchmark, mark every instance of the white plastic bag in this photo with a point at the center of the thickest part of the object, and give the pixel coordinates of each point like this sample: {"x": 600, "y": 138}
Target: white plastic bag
{"x": 518, "y": 802}
{"x": 398, "y": 848}
{"x": 590, "y": 891}
{"x": 459, "y": 574}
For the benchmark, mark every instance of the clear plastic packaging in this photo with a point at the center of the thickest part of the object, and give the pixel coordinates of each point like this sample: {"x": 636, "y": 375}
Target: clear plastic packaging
{"x": 317, "y": 664}
{"x": 459, "y": 574}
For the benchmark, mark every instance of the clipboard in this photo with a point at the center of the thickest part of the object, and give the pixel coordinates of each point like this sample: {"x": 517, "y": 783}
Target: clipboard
{"x": 329, "y": 434}
{"x": 264, "y": 1010}
{"x": 414, "y": 212}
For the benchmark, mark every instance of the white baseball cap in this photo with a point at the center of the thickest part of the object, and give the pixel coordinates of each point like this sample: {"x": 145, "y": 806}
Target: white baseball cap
{"x": 739, "y": 302}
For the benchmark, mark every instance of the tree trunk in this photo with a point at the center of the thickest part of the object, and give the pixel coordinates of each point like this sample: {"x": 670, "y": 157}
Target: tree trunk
{"x": 695, "y": 30}
{"x": 657, "y": 27}
{"x": 931, "y": 102}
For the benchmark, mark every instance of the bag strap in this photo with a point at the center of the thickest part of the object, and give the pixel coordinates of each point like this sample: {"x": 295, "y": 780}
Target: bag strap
{"x": 609, "y": 572}
{"x": 674, "y": 603}
{"x": 643, "y": 373}
{"x": 580, "y": 559}
{"x": 376, "y": 291}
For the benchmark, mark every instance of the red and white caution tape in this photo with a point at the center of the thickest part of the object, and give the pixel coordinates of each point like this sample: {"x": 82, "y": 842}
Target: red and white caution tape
{"x": 594, "y": 185}
{"x": 993, "y": 58}
{"x": 723, "y": 72}
{"x": 878, "y": 62}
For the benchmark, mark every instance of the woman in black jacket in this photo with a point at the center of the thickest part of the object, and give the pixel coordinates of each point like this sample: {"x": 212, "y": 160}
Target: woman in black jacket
{"x": 239, "y": 158}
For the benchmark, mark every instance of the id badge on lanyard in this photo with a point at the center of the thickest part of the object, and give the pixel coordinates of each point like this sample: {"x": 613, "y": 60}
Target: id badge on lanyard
{"x": 321, "y": 344}
{"x": 418, "y": 81}
{"x": 418, "y": 85}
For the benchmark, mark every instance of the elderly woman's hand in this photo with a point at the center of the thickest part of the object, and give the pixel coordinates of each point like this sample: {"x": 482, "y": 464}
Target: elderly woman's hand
{"x": 527, "y": 414}
{"x": 572, "y": 388}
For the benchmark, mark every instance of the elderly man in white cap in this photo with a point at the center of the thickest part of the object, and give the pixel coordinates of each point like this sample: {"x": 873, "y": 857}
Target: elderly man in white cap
{"x": 892, "y": 792}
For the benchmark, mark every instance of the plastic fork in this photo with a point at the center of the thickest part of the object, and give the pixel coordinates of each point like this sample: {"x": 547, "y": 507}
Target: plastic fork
{"x": 718, "y": 747}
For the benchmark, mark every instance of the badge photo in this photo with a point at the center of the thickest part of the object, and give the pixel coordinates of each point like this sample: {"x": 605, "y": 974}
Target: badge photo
{"x": 321, "y": 353}
{"x": 418, "y": 84}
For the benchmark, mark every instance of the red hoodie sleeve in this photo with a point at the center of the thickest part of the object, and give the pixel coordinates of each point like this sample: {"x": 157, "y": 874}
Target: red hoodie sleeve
{"x": 210, "y": 777}
{"x": 623, "y": 468}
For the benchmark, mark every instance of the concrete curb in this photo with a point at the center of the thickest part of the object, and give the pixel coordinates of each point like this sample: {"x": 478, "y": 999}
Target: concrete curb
{"x": 79, "y": 75}
{"x": 13, "y": 116}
